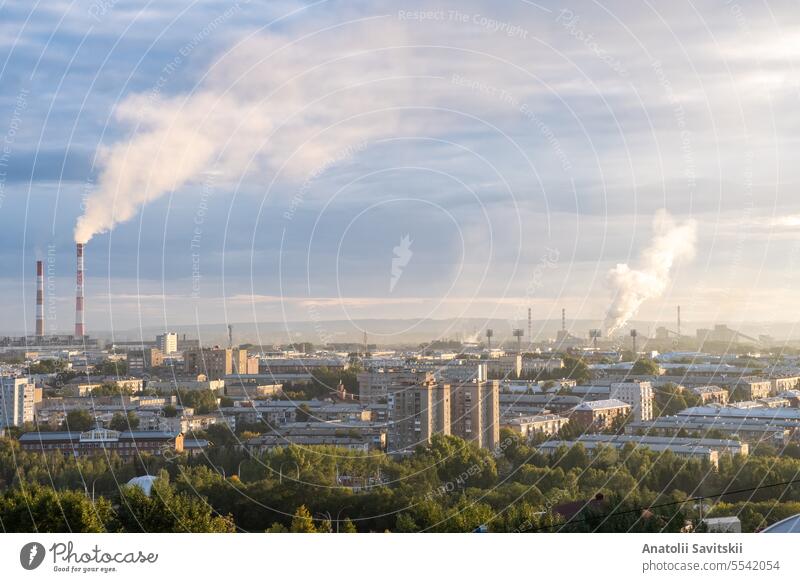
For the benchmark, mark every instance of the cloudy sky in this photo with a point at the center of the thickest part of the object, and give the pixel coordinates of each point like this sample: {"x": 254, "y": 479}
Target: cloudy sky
{"x": 331, "y": 160}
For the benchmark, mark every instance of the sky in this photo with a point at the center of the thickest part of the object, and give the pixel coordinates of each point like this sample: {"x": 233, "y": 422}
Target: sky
{"x": 291, "y": 161}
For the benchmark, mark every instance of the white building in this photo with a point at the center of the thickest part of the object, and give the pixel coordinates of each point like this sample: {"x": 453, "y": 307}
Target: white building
{"x": 167, "y": 343}
{"x": 17, "y": 396}
{"x": 535, "y": 365}
{"x": 638, "y": 394}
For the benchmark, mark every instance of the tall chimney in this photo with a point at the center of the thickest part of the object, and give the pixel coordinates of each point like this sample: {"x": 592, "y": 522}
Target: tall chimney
{"x": 39, "y": 299}
{"x": 80, "y": 329}
{"x": 563, "y": 319}
{"x": 679, "y": 321}
{"x": 530, "y": 327}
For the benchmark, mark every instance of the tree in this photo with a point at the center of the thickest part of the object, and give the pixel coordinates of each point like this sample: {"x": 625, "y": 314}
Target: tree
{"x": 45, "y": 510}
{"x": 576, "y": 369}
{"x": 123, "y": 422}
{"x": 78, "y": 421}
{"x": 302, "y": 522}
{"x": 169, "y": 411}
{"x": 303, "y": 413}
{"x": 165, "y": 510}
{"x": 644, "y": 367}
{"x": 112, "y": 368}
{"x": 47, "y": 367}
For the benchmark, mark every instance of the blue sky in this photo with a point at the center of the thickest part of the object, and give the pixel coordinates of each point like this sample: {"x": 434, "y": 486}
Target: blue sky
{"x": 305, "y": 141}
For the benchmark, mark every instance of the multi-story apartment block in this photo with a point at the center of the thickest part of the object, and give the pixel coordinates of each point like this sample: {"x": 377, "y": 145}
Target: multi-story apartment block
{"x": 167, "y": 343}
{"x": 17, "y": 396}
{"x": 475, "y": 412}
{"x": 215, "y": 363}
{"x": 598, "y": 415}
{"x": 420, "y": 408}
{"x": 639, "y": 394}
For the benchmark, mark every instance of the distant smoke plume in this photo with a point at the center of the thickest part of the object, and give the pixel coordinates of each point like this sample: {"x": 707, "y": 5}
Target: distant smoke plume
{"x": 671, "y": 242}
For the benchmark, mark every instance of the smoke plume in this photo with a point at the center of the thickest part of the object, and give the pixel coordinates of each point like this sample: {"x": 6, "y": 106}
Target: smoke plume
{"x": 266, "y": 106}
{"x": 632, "y": 287}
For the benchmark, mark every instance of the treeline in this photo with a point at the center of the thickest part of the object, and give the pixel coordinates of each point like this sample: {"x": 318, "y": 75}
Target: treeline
{"x": 448, "y": 486}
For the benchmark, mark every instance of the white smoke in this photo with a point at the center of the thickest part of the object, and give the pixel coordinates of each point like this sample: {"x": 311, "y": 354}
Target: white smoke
{"x": 267, "y": 105}
{"x": 671, "y": 242}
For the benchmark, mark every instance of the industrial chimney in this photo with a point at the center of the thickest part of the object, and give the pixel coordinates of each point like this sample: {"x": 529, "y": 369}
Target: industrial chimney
{"x": 80, "y": 329}
{"x": 39, "y": 299}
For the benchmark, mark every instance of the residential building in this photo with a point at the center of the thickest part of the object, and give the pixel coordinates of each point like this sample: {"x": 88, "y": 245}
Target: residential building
{"x": 752, "y": 388}
{"x": 268, "y": 442}
{"x": 373, "y": 386}
{"x": 598, "y": 415}
{"x": 532, "y": 366}
{"x": 191, "y": 384}
{"x": 215, "y": 363}
{"x": 475, "y": 412}
{"x": 17, "y": 396}
{"x": 167, "y": 343}
{"x": 637, "y": 393}
{"x": 420, "y": 408}
{"x": 711, "y": 394}
{"x": 697, "y": 452}
{"x": 530, "y": 426}
{"x": 140, "y": 361}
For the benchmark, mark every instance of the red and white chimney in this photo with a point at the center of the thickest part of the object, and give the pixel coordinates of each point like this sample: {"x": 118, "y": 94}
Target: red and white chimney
{"x": 39, "y": 299}
{"x": 80, "y": 329}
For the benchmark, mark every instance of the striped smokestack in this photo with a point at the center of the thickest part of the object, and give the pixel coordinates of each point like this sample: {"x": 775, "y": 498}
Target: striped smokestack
{"x": 80, "y": 330}
{"x": 39, "y": 299}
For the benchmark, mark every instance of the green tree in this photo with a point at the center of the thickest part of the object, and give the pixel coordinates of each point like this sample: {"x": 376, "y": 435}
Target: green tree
{"x": 124, "y": 422}
{"x": 576, "y": 369}
{"x": 43, "y": 509}
{"x": 78, "y": 421}
{"x": 165, "y": 510}
{"x": 644, "y": 367}
{"x": 302, "y": 522}
{"x": 112, "y": 368}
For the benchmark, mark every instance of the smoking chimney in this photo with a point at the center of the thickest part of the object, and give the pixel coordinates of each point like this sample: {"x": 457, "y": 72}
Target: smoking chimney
{"x": 679, "y": 321}
{"x": 563, "y": 319}
{"x": 39, "y": 299}
{"x": 80, "y": 329}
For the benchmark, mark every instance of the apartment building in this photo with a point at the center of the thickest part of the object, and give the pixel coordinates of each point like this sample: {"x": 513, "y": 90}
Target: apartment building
{"x": 475, "y": 412}
{"x": 216, "y": 363}
{"x": 599, "y": 415}
{"x": 420, "y": 407}
{"x": 17, "y": 398}
{"x": 637, "y": 393}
